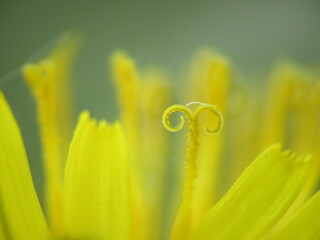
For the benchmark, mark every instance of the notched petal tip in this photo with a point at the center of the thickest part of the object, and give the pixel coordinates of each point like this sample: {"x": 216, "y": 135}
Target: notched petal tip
{"x": 84, "y": 115}
{"x": 271, "y": 183}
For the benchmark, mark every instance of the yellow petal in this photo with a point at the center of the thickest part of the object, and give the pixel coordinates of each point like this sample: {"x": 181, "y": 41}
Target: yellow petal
{"x": 21, "y": 216}
{"x": 156, "y": 97}
{"x": 258, "y": 199}
{"x": 304, "y": 225}
{"x": 291, "y": 117}
{"x": 288, "y": 105}
{"x": 49, "y": 84}
{"x": 63, "y": 56}
{"x": 211, "y": 78}
{"x": 128, "y": 88}
{"x": 211, "y": 84}
{"x": 304, "y": 139}
{"x": 278, "y": 106}
{"x": 97, "y": 183}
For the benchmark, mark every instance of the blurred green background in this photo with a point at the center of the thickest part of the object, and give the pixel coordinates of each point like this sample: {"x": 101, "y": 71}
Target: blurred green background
{"x": 166, "y": 33}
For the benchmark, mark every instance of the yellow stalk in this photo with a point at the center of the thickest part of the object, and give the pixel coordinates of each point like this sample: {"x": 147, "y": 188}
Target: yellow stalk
{"x": 184, "y": 219}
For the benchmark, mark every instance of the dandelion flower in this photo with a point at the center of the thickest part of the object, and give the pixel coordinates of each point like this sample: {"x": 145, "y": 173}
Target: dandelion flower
{"x": 228, "y": 177}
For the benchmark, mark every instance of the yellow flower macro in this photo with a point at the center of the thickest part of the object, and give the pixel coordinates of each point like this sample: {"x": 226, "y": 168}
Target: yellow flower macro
{"x": 244, "y": 166}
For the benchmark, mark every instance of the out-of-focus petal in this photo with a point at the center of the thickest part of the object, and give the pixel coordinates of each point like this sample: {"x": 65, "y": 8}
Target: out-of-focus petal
{"x": 21, "y": 216}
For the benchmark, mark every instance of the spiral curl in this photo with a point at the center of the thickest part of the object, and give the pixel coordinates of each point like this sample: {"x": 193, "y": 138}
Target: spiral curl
{"x": 192, "y": 116}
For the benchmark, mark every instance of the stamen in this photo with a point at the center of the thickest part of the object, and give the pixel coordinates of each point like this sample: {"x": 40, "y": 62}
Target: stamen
{"x": 183, "y": 220}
